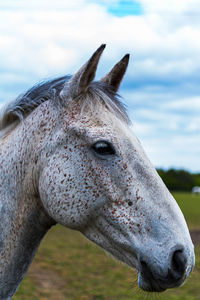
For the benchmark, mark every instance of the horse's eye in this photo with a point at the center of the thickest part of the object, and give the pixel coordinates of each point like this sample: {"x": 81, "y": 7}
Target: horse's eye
{"x": 103, "y": 148}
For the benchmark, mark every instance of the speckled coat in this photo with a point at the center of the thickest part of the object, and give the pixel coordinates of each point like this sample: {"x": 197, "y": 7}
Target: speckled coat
{"x": 74, "y": 160}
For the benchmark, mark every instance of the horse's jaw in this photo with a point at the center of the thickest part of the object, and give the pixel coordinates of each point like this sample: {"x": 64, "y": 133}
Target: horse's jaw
{"x": 163, "y": 258}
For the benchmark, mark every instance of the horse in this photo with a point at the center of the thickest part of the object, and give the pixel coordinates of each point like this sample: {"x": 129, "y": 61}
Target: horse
{"x": 68, "y": 155}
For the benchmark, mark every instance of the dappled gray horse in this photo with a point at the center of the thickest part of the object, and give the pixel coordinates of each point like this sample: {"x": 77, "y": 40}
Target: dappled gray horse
{"x": 68, "y": 156}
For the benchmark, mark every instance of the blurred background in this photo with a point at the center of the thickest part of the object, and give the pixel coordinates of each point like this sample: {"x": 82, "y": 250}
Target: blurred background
{"x": 42, "y": 39}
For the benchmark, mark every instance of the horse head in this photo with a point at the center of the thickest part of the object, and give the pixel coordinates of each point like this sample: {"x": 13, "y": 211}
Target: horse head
{"x": 95, "y": 177}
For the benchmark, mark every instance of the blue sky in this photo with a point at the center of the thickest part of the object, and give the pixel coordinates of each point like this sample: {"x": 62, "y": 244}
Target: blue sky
{"x": 45, "y": 38}
{"x": 124, "y": 8}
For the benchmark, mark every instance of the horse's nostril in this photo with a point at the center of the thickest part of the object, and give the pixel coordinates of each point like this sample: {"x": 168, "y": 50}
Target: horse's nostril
{"x": 178, "y": 264}
{"x": 143, "y": 263}
{"x": 145, "y": 269}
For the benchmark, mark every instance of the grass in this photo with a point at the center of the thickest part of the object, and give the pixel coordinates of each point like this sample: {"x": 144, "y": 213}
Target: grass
{"x": 67, "y": 266}
{"x": 190, "y": 206}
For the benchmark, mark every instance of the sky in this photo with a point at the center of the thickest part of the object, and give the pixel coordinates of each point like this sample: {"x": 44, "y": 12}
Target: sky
{"x": 42, "y": 39}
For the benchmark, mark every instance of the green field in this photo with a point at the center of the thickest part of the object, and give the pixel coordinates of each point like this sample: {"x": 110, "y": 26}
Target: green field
{"x": 67, "y": 266}
{"x": 190, "y": 206}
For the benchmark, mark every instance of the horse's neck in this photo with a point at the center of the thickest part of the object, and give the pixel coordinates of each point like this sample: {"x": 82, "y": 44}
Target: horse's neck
{"x": 23, "y": 221}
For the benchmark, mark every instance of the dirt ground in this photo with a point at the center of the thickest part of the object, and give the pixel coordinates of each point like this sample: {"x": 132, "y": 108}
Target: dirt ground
{"x": 195, "y": 234}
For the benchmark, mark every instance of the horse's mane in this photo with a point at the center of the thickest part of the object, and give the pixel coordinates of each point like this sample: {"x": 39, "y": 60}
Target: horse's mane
{"x": 15, "y": 111}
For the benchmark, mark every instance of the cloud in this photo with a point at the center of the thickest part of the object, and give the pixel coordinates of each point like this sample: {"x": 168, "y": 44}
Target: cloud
{"x": 180, "y": 151}
{"x": 46, "y": 38}
{"x": 180, "y": 7}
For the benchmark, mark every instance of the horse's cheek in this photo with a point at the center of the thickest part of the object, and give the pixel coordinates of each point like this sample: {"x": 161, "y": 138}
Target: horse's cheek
{"x": 60, "y": 196}
{"x": 52, "y": 194}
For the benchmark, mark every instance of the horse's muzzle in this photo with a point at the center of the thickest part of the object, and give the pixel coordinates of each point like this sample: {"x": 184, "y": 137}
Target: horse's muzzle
{"x": 178, "y": 270}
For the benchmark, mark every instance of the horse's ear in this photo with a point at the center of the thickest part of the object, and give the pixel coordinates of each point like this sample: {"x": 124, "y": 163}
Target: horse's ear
{"x": 115, "y": 76}
{"x": 81, "y": 80}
